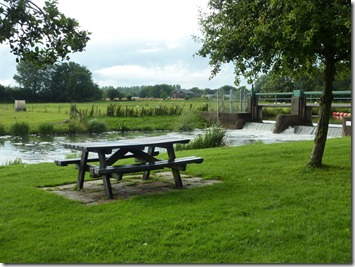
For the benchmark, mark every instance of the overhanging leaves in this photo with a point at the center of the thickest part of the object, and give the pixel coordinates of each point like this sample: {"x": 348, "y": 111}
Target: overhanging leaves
{"x": 289, "y": 37}
{"x": 39, "y": 36}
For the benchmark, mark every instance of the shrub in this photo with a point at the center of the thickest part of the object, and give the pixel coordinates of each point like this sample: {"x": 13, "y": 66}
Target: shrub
{"x": 20, "y": 129}
{"x": 76, "y": 126}
{"x": 96, "y": 126}
{"x": 123, "y": 127}
{"x": 189, "y": 121}
{"x": 46, "y": 128}
{"x": 213, "y": 137}
{"x": 2, "y": 130}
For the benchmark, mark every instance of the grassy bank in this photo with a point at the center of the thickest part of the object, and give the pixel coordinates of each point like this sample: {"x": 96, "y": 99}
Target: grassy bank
{"x": 145, "y": 115}
{"x": 270, "y": 208}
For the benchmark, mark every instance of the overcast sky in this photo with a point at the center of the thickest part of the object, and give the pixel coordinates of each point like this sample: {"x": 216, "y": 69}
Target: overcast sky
{"x": 137, "y": 42}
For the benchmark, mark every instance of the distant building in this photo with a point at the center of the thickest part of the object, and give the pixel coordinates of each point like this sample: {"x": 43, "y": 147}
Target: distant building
{"x": 183, "y": 93}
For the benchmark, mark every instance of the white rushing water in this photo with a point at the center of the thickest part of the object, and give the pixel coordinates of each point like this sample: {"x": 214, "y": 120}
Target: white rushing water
{"x": 36, "y": 149}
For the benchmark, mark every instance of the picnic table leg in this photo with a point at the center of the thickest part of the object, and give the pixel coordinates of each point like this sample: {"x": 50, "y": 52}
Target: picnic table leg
{"x": 176, "y": 172}
{"x": 107, "y": 186}
{"x": 147, "y": 173}
{"x": 81, "y": 174}
{"x": 105, "y": 178}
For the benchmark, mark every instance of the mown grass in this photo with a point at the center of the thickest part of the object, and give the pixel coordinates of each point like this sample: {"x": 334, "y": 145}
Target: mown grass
{"x": 270, "y": 208}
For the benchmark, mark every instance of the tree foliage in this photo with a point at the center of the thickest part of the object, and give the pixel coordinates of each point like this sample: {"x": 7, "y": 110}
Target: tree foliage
{"x": 275, "y": 83}
{"x": 34, "y": 80}
{"x": 73, "y": 82}
{"x": 62, "y": 82}
{"x": 286, "y": 36}
{"x": 39, "y": 35}
{"x": 290, "y": 37}
{"x": 157, "y": 91}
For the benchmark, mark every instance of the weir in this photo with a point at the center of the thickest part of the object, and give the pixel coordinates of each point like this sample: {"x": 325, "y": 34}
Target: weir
{"x": 267, "y": 127}
{"x": 299, "y": 129}
{"x": 300, "y": 118}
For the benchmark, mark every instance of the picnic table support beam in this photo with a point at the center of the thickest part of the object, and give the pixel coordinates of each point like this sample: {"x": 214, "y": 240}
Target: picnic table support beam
{"x": 81, "y": 174}
{"x": 106, "y": 177}
{"x": 147, "y": 173}
{"x": 176, "y": 172}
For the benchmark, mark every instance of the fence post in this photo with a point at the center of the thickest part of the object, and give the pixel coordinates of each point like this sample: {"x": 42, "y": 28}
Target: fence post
{"x": 253, "y": 105}
{"x": 299, "y": 106}
{"x": 230, "y": 101}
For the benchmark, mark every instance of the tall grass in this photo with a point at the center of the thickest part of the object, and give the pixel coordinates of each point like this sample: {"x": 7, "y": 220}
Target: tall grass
{"x": 46, "y": 128}
{"x": 188, "y": 121}
{"x": 2, "y": 130}
{"x": 213, "y": 137}
{"x": 115, "y": 110}
{"x": 96, "y": 126}
{"x": 20, "y": 129}
{"x": 17, "y": 161}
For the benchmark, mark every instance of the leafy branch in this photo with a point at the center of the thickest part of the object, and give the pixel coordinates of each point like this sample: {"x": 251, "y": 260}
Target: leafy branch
{"x": 37, "y": 35}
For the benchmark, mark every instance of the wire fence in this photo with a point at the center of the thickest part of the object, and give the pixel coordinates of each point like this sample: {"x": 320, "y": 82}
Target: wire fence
{"x": 234, "y": 101}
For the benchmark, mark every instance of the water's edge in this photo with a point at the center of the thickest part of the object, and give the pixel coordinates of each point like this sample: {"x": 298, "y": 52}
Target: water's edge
{"x": 46, "y": 149}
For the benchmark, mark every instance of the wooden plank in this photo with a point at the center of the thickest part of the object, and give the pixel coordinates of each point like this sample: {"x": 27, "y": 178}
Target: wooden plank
{"x": 157, "y": 141}
{"x": 131, "y": 168}
{"x": 150, "y": 152}
{"x": 66, "y": 162}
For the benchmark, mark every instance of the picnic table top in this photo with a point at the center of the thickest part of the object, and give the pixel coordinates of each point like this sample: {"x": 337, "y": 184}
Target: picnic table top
{"x": 158, "y": 141}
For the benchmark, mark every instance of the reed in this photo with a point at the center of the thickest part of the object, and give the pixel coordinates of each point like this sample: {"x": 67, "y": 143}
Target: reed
{"x": 20, "y": 129}
{"x": 213, "y": 137}
{"x": 2, "y": 130}
{"x": 46, "y": 128}
{"x": 96, "y": 126}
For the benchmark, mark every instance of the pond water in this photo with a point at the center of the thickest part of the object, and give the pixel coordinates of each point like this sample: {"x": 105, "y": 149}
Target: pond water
{"x": 38, "y": 149}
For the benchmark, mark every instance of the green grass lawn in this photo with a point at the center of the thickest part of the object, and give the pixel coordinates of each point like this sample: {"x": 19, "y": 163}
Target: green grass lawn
{"x": 270, "y": 208}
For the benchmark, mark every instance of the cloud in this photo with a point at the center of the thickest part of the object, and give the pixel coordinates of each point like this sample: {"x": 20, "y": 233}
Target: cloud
{"x": 7, "y": 66}
{"x": 113, "y": 20}
{"x": 177, "y": 73}
{"x": 137, "y": 42}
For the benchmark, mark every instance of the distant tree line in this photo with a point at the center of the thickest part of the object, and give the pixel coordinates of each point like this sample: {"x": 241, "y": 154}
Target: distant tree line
{"x": 145, "y": 91}
{"x": 71, "y": 82}
{"x": 154, "y": 91}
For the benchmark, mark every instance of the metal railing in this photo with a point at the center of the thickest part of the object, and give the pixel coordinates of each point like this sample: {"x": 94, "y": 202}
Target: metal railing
{"x": 311, "y": 96}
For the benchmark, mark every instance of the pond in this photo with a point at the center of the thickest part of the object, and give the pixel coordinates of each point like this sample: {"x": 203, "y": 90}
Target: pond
{"x": 38, "y": 149}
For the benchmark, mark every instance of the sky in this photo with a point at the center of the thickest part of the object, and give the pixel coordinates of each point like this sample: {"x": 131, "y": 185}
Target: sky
{"x": 137, "y": 42}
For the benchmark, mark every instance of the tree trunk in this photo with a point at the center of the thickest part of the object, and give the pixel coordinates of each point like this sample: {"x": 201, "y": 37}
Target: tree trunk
{"x": 323, "y": 115}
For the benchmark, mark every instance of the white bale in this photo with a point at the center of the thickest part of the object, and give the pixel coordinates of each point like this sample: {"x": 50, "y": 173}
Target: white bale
{"x": 20, "y": 105}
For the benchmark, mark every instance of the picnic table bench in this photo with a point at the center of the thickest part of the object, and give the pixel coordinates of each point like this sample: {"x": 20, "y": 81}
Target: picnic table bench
{"x": 142, "y": 149}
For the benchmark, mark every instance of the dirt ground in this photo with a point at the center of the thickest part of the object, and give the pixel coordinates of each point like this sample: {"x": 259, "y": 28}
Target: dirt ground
{"x": 93, "y": 192}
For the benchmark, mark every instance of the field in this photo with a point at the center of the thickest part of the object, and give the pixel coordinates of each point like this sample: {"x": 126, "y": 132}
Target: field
{"x": 130, "y": 117}
{"x": 269, "y": 208}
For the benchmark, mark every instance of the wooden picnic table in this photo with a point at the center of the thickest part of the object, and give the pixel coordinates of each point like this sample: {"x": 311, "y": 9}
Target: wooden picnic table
{"x": 108, "y": 154}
